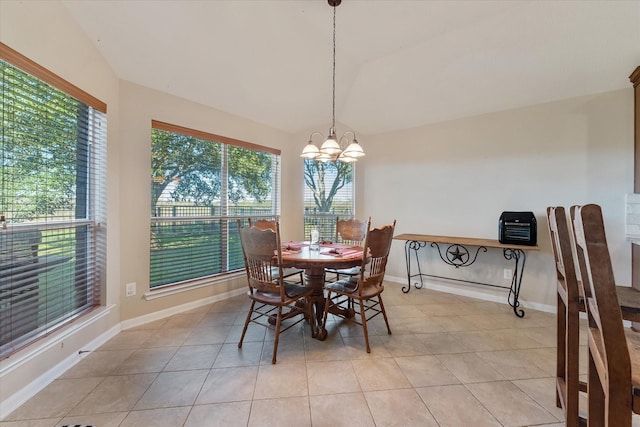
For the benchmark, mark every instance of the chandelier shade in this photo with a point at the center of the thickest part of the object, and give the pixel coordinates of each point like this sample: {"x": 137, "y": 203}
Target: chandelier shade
{"x": 354, "y": 150}
{"x": 310, "y": 151}
{"x": 334, "y": 149}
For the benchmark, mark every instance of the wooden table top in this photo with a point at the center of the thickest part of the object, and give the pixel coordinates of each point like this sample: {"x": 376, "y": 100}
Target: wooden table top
{"x": 307, "y": 258}
{"x": 470, "y": 241}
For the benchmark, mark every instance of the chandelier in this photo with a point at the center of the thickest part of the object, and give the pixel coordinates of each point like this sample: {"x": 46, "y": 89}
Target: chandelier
{"x": 346, "y": 149}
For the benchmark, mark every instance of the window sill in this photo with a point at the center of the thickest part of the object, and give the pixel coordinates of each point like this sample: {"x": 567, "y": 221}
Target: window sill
{"x": 196, "y": 284}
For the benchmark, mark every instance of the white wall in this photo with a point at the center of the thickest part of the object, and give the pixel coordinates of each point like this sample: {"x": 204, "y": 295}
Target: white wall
{"x": 455, "y": 178}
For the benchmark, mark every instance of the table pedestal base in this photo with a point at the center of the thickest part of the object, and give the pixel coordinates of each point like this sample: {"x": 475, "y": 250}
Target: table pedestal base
{"x": 314, "y": 278}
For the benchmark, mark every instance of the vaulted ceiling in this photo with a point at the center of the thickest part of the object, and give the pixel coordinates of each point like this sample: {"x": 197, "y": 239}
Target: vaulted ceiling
{"x": 399, "y": 64}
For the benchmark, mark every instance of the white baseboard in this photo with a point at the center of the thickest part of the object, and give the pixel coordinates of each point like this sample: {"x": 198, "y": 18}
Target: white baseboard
{"x": 132, "y": 323}
{"x": 443, "y": 287}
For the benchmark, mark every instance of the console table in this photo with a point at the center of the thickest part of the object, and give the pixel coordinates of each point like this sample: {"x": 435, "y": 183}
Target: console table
{"x": 454, "y": 252}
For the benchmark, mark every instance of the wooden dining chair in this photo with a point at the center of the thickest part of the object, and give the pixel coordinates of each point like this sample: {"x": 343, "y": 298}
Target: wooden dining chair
{"x": 613, "y": 384}
{"x": 348, "y": 231}
{"x": 569, "y": 305}
{"x": 365, "y": 289}
{"x": 270, "y": 293}
{"x": 289, "y": 272}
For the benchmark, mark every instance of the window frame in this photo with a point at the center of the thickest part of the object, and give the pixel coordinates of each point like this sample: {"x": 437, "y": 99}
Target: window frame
{"x": 325, "y": 222}
{"x": 66, "y": 252}
{"x": 226, "y": 218}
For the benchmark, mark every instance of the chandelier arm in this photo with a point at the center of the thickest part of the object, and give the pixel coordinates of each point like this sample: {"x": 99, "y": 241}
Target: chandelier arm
{"x": 347, "y": 132}
{"x": 314, "y": 134}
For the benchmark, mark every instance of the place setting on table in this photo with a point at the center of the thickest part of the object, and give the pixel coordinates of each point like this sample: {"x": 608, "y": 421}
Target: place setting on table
{"x": 341, "y": 250}
{"x": 289, "y": 248}
{"x": 325, "y": 247}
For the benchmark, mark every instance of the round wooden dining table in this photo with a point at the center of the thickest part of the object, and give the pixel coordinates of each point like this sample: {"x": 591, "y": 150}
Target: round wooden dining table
{"x": 314, "y": 263}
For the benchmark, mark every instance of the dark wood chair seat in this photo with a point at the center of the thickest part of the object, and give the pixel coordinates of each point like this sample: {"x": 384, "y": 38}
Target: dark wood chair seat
{"x": 629, "y": 300}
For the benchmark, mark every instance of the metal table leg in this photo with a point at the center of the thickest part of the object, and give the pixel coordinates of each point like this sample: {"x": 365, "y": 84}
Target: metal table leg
{"x": 516, "y": 279}
{"x": 409, "y": 246}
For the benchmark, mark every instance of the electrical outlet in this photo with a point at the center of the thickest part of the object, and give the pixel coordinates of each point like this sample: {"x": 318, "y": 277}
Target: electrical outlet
{"x": 131, "y": 289}
{"x": 508, "y": 274}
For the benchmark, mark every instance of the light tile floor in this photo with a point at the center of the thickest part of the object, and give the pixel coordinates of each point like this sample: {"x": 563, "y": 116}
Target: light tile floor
{"x": 451, "y": 361}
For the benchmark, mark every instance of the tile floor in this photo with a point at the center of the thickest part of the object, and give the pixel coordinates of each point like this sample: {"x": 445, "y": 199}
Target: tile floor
{"x": 451, "y": 361}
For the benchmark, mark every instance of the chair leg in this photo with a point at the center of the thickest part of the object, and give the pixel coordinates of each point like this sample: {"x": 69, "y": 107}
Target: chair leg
{"x": 384, "y": 313}
{"x": 567, "y": 372}
{"x": 595, "y": 397}
{"x": 572, "y": 373}
{"x": 327, "y": 302}
{"x": 561, "y": 333}
{"x": 364, "y": 325}
{"x": 310, "y": 317}
{"x": 277, "y": 337}
{"x": 246, "y": 323}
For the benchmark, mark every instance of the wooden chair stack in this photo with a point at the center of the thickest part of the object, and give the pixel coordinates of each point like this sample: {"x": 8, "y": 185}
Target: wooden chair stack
{"x": 611, "y": 386}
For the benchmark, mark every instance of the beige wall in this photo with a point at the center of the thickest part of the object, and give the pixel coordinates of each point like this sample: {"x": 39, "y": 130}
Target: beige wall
{"x": 44, "y": 32}
{"x": 455, "y": 179}
{"x": 138, "y": 106}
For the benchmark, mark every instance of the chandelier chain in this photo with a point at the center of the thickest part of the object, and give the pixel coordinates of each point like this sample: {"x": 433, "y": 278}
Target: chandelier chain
{"x": 333, "y": 122}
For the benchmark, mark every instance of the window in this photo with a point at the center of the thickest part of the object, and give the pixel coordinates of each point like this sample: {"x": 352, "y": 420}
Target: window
{"x": 201, "y": 184}
{"x": 328, "y": 193}
{"x": 52, "y": 201}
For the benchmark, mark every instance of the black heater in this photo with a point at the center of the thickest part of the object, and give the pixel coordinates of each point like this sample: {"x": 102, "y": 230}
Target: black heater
{"x": 518, "y": 228}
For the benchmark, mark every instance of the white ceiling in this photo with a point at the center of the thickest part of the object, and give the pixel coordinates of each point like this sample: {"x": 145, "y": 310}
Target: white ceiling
{"x": 400, "y": 63}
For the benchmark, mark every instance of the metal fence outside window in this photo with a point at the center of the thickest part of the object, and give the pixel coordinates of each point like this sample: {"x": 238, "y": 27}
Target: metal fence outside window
{"x": 324, "y": 222}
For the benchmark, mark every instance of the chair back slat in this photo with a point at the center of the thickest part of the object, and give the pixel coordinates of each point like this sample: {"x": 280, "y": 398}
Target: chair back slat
{"x": 597, "y": 270}
{"x": 262, "y": 256}
{"x": 562, "y": 246}
{"x": 581, "y": 268}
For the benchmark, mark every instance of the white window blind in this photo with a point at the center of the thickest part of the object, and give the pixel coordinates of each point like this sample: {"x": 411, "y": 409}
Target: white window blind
{"x": 328, "y": 193}
{"x": 52, "y": 201}
{"x": 201, "y": 184}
